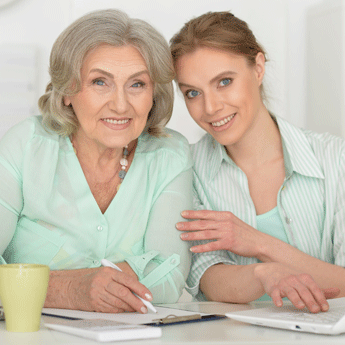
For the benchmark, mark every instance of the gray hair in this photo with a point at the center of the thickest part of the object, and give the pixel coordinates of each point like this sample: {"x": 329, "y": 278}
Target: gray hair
{"x": 115, "y": 28}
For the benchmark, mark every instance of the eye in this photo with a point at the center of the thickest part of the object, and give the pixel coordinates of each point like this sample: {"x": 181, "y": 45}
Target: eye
{"x": 98, "y": 82}
{"x": 192, "y": 93}
{"x": 225, "y": 82}
{"x": 138, "y": 84}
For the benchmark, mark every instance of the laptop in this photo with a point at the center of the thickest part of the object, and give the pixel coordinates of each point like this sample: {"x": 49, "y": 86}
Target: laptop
{"x": 289, "y": 317}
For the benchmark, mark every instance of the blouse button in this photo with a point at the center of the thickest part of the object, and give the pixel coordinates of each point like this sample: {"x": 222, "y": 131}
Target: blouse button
{"x": 288, "y": 220}
{"x": 100, "y": 228}
{"x": 173, "y": 261}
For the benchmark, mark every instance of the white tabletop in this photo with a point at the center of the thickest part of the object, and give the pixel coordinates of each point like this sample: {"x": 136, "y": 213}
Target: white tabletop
{"x": 223, "y": 331}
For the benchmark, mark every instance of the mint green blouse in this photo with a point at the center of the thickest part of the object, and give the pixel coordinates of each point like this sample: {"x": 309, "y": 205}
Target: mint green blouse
{"x": 49, "y": 215}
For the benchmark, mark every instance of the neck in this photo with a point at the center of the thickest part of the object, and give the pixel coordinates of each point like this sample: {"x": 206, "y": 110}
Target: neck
{"x": 262, "y": 143}
{"x": 96, "y": 156}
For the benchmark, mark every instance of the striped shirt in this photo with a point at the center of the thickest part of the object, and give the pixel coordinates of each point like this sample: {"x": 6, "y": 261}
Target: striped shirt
{"x": 311, "y": 201}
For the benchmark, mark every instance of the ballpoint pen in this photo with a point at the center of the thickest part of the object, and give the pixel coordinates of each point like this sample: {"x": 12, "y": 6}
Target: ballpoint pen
{"x": 107, "y": 263}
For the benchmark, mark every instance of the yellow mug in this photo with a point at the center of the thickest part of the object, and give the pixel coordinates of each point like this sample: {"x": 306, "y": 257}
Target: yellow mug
{"x": 23, "y": 290}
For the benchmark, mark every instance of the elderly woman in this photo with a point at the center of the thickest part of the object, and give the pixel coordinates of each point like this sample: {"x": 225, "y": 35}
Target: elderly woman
{"x": 96, "y": 176}
{"x": 270, "y": 196}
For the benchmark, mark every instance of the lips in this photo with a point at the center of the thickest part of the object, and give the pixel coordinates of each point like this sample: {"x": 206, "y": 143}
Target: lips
{"x": 223, "y": 121}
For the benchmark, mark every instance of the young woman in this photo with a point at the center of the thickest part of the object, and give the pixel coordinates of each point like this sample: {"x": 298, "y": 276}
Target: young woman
{"x": 271, "y": 197}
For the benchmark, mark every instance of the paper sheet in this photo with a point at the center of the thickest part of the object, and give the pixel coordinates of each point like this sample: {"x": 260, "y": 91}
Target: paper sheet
{"x": 132, "y": 318}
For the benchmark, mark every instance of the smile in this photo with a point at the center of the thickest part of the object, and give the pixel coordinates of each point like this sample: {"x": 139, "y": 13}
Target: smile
{"x": 224, "y": 121}
{"x": 116, "y": 122}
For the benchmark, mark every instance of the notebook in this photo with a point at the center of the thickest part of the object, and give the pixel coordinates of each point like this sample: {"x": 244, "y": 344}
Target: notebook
{"x": 289, "y": 317}
{"x": 103, "y": 330}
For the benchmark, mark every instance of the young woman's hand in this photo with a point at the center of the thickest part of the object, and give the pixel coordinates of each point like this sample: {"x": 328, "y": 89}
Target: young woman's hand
{"x": 107, "y": 290}
{"x": 227, "y": 232}
{"x": 280, "y": 281}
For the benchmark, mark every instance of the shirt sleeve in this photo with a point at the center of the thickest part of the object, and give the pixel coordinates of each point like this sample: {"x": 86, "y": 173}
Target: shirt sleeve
{"x": 339, "y": 216}
{"x": 11, "y": 198}
{"x": 202, "y": 261}
{"x": 165, "y": 265}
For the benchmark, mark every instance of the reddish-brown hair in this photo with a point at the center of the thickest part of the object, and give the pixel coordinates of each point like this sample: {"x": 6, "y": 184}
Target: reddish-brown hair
{"x": 218, "y": 30}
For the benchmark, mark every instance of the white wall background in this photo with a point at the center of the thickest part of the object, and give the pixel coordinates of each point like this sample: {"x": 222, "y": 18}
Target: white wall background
{"x": 279, "y": 25}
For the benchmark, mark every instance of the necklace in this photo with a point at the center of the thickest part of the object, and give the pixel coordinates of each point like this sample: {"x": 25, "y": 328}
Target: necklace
{"x": 123, "y": 163}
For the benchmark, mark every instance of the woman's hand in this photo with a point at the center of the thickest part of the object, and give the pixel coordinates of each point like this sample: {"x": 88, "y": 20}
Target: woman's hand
{"x": 227, "y": 231}
{"x": 281, "y": 281}
{"x": 109, "y": 291}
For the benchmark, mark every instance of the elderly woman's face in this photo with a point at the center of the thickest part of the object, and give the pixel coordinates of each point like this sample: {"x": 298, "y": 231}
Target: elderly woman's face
{"x": 115, "y": 98}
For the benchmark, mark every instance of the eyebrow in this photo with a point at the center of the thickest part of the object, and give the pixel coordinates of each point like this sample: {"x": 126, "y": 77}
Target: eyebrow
{"x": 218, "y": 76}
{"x": 99, "y": 70}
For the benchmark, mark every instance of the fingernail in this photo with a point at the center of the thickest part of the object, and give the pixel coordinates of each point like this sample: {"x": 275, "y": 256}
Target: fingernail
{"x": 184, "y": 213}
{"x": 148, "y": 297}
{"x": 324, "y": 307}
{"x": 183, "y": 236}
{"x": 144, "y": 310}
{"x": 301, "y": 305}
{"x": 315, "y": 308}
{"x": 179, "y": 225}
{"x": 192, "y": 249}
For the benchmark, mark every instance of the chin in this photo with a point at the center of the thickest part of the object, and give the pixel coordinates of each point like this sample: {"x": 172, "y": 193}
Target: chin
{"x": 224, "y": 139}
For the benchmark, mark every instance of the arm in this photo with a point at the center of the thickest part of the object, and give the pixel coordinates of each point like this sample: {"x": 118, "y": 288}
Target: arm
{"x": 11, "y": 199}
{"x": 96, "y": 289}
{"x": 9, "y": 222}
{"x": 166, "y": 272}
{"x": 234, "y": 235}
{"x": 231, "y": 283}
{"x": 242, "y": 284}
{"x": 283, "y": 262}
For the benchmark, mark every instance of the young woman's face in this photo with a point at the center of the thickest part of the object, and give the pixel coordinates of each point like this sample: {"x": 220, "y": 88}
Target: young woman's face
{"x": 222, "y": 92}
{"x": 116, "y": 96}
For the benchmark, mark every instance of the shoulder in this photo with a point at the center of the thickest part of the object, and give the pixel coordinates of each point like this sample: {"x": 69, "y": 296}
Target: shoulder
{"x": 171, "y": 141}
{"x": 172, "y": 145}
{"x": 28, "y": 139}
{"x": 325, "y": 142}
{"x": 21, "y": 134}
{"x": 26, "y": 143}
{"x": 204, "y": 150}
{"x": 204, "y": 146}
{"x": 314, "y": 138}
{"x": 330, "y": 152}
{"x": 27, "y": 129}
{"x": 327, "y": 149}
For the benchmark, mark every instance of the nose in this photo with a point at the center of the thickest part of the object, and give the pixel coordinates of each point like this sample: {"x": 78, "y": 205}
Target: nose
{"x": 118, "y": 101}
{"x": 213, "y": 103}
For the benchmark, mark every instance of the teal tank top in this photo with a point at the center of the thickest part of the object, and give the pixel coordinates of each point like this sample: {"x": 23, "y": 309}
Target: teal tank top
{"x": 271, "y": 224}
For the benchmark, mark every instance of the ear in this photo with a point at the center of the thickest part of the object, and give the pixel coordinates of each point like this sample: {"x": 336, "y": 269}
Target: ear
{"x": 260, "y": 67}
{"x": 66, "y": 101}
